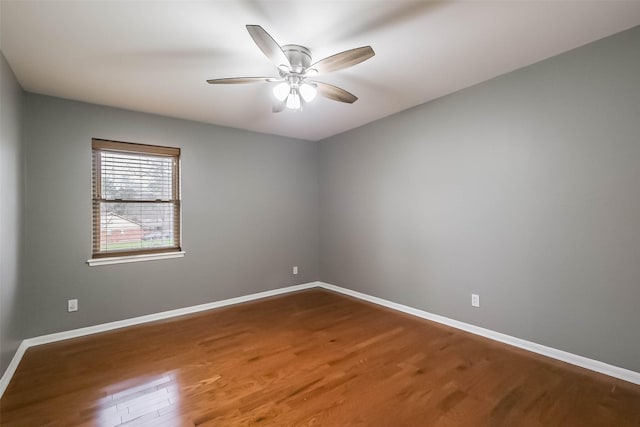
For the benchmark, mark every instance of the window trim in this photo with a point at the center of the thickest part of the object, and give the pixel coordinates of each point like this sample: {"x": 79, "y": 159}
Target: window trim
{"x": 144, "y": 254}
{"x": 93, "y": 262}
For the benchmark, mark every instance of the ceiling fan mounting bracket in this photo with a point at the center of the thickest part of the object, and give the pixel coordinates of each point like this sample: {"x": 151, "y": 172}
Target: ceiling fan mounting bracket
{"x": 299, "y": 57}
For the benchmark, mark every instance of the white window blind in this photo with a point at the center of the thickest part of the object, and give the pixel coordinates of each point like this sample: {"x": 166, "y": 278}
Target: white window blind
{"x": 136, "y": 199}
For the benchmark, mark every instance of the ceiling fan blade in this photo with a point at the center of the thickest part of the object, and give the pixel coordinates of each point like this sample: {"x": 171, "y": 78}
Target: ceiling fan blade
{"x": 268, "y": 45}
{"x": 335, "y": 93}
{"x": 237, "y": 80}
{"x": 278, "y": 106}
{"x": 345, "y": 59}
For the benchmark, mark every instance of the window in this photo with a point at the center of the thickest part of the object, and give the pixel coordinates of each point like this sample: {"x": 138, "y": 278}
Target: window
{"x": 136, "y": 199}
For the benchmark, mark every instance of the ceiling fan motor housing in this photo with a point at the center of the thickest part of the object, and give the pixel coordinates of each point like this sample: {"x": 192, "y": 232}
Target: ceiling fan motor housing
{"x": 299, "y": 57}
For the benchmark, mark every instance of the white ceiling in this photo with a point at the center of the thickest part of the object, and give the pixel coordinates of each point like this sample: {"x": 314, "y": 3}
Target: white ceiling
{"x": 155, "y": 56}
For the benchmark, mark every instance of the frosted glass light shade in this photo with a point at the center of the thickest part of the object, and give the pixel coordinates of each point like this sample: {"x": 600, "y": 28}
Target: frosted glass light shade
{"x": 308, "y": 92}
{"x": 293, "y": 101}
{"x": 281, "y": 91}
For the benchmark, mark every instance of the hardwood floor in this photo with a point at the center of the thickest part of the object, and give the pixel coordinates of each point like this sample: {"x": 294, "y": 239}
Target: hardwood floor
{"x": 308, "y": 358}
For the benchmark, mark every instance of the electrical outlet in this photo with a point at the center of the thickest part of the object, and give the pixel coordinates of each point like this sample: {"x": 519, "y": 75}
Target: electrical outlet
{"x": 295, "y": 269}
{"x": 72, "y": 305}
{"x": 475, "y": 300}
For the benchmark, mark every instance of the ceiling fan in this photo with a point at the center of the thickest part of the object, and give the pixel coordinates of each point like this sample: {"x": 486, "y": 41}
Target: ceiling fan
{"x": 295, "y": 84}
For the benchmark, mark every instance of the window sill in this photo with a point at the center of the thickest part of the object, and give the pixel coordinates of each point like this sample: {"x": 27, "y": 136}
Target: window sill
{"x": 134, "y": 258}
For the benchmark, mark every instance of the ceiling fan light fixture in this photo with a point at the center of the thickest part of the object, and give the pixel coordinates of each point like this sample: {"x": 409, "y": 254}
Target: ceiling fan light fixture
{"x": 295, "y": 85}
{"x": 293, "y": 101}
{"x": 308, "y": 92}
{"x": 281, "y": 91}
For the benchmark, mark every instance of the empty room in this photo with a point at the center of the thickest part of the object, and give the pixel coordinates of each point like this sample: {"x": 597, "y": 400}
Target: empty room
{"x": 327, "y": 213}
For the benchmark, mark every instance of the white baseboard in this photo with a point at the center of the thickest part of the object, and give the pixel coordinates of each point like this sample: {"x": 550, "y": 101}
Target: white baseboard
{"x": 13, "y": 365}
{"x": 45, "y": 339}
{"x": 574, "y": 359}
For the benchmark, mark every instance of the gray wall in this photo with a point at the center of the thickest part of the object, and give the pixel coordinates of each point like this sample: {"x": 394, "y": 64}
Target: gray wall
{"x": 524, "y": 189}
{"x": 249, "y": 215}
{"x": 11, "y": 203}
